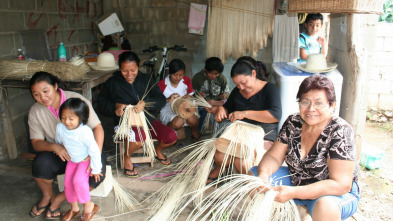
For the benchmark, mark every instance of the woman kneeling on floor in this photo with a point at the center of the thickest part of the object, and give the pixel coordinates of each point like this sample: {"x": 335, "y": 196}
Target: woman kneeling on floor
{"x": 126, "y": 87}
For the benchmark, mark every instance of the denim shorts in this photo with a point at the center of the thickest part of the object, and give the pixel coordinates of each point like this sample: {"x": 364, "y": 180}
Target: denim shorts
{"x": 348, "y": 202}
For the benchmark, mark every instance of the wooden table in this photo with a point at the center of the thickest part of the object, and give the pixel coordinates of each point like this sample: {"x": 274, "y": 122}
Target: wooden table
{"x": 85, "y": 84}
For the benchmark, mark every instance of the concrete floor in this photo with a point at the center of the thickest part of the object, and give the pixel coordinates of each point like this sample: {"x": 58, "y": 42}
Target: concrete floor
{"x": 19, "y": 192}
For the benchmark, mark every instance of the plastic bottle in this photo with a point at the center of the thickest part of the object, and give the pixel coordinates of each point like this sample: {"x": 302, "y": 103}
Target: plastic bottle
{"x": 61, "y": 53}
{"x": 20, "y": 54}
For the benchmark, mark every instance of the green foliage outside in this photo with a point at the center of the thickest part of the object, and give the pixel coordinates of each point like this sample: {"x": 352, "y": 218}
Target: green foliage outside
{"x": 387, "y": 15}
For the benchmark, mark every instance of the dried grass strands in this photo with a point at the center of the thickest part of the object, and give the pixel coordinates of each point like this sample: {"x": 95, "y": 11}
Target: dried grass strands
{"x": 184, "y": 107}
{"x": 242, "y": 140}
{"x": 66, "y": 71}
{"x": 195, "y": 169}
{"x": 236, "y": 28}
{"x": 130, "y": 118}
{"x": 238, "y": 199}
{"x": 197, "y": 165}
{"x": 123, "y": 199}
{"x": 203, "y": 103}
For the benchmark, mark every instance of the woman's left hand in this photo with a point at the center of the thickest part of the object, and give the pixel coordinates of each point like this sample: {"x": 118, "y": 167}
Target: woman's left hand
{"x": 237, "y": 115}
{"x": 284, "y": 194}
{"x": 96, "y": 177}
{"x": 140, "y": 106}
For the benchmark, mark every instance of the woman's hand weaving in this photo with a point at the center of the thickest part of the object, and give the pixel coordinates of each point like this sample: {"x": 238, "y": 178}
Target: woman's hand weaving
{"x": 140, "y": 106}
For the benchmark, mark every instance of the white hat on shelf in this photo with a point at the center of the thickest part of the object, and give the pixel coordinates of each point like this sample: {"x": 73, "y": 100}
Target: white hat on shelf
{"x": 316, "y": 63}
{"x": 105, "y": 62}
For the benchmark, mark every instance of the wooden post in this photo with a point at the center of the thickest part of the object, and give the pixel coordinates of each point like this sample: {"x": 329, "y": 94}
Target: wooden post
{"x": 359, "y": 52}
{"x": 7, "y": 125}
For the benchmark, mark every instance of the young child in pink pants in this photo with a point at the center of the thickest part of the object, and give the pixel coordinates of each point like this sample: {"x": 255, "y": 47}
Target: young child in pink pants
{"x": 85, "y": 156}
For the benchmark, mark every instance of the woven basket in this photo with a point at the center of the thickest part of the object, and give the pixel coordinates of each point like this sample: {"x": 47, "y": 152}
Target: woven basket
{"x": 337, "y": 6}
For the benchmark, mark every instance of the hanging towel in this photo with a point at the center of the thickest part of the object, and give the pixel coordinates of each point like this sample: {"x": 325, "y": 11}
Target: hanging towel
{"x": 286, "y": 38}
{"x": 197, "y": 18}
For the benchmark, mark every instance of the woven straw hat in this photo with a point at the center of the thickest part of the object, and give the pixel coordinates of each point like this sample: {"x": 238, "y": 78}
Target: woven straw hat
{"x": 105, "y": 62}
{"x": 316, "y": 63}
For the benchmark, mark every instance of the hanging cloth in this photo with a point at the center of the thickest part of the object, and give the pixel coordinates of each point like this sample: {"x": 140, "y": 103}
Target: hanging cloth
{"x": 286, "y": 38}
{"x": 197, "y": 18}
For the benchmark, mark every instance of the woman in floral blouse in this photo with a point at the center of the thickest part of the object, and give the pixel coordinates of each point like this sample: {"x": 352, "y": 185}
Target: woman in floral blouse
{"x": 320, "y": 152}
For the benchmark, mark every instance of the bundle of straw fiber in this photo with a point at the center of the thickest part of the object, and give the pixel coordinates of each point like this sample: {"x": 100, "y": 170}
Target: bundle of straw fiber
{"x": 123, "y": 199}
{"x": 66, "y": 71}
{"x": 129, "y": 119}
{"x": 238, "y": 199}
{"x": 197, "y": 165}
{"x": 206, "y": 122}
{"x": 236, "y": 28}
{"x": 242, "y": 140}
{"x": 183, "y": 107}
{"x": 195, "y": 168}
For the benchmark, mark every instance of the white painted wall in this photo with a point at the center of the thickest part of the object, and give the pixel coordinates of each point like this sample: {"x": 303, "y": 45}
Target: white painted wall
{"x": 381, "y": 75}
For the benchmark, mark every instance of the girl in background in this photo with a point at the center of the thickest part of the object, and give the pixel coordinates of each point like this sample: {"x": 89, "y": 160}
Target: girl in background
{"x": 84, "y": 152}
{"x": 176, "y": 85}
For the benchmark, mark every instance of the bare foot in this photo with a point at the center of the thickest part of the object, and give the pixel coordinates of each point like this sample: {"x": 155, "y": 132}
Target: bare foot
{"x": 213, "y": 175}
{"x": 88, "y": 207}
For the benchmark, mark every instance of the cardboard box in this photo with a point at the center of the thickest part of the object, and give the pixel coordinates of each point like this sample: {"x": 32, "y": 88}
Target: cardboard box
{"x": 110, "y": 24}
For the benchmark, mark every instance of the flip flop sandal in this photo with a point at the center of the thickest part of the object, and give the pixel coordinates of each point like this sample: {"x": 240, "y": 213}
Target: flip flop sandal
{"x": 161, "y": 161}
{"x": 33, "y": 215}
{"x": 52, "y": 212}
{"x": 129, "y": 175}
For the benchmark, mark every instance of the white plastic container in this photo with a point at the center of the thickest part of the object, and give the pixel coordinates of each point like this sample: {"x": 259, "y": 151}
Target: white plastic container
{"x": 288, "y": 79}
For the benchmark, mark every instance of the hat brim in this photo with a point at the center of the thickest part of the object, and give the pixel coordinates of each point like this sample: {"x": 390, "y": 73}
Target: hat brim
{"x": 330, "y": 67}
{"x": 94, "y": 66}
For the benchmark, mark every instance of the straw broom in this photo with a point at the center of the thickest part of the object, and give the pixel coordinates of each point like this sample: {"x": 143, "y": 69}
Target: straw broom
{"x": 67, "y": 71}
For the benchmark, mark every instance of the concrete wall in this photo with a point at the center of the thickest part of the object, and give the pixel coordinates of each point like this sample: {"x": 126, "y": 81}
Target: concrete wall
{"x": 381, "y": 75}
{"x": 360, "y": 44}
{"x": 68, "y": 21}
{"x": 162, "y": 23}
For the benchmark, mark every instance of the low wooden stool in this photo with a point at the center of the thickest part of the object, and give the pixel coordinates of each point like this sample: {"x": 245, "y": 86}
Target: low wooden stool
{"x": 134, "y": 159}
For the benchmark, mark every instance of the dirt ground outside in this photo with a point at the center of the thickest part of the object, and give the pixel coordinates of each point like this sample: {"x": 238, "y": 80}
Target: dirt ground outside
{"x": 376, "y": 186}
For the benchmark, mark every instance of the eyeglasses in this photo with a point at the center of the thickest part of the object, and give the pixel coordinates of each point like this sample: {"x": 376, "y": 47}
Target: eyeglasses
{"x": 307, "y": 104}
